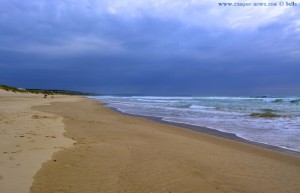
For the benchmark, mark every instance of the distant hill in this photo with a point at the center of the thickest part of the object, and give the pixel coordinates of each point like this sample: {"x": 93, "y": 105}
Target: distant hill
{"x": 42, "y": 91}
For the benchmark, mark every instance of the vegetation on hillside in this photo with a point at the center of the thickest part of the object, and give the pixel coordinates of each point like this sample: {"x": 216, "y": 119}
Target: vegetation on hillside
{"x": 42, "y": 91}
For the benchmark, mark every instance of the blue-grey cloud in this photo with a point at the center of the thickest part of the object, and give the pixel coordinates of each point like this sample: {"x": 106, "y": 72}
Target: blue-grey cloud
{"x": 148, "y": 48}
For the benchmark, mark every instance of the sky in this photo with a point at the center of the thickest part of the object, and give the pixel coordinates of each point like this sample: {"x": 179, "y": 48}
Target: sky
{"x": 151, "y": 47}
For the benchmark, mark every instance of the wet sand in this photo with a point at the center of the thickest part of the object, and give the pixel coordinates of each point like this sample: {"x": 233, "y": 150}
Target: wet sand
{"x": 216, "y": 133}
{"x": 116, "y": 153}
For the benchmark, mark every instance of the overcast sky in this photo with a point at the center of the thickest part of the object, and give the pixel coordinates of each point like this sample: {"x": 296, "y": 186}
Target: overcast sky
{"x": 152, "y": 47}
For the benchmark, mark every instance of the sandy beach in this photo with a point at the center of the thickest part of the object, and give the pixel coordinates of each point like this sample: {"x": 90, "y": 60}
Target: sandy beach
{"x": 121, "y": 153}
{"x": 153, "y": 96}
{"x": 105, "y": 151}
{"x": 28, "y": 138}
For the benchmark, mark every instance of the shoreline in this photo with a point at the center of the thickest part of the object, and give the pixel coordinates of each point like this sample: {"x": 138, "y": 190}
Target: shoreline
{"x": 211, "y": 132}
{"x": 116, "y": 152}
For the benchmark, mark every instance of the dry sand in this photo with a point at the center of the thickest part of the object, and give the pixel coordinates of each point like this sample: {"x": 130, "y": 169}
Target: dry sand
{"x": 28, "y": 138}
{"x": 116, "y": 153}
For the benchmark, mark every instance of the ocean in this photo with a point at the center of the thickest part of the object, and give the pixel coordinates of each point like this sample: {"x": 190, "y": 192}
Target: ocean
{"x": 268, "y": 120}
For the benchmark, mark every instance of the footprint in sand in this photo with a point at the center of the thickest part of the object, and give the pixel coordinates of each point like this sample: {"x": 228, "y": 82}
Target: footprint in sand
{"x": 35, "y": 116}
{"x": 18, "y": 151}
{"x": 58, "y": 147}
{"x": 1, "y": 177}
{"x": 50, "y": 136}
{"x": 40, "y": 117}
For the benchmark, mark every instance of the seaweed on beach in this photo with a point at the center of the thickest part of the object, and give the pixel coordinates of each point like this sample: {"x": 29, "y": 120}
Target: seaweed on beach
{"x": 266, "y": 114}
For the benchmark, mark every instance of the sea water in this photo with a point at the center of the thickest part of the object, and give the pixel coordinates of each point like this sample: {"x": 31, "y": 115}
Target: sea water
{"x": 269, "y": 120}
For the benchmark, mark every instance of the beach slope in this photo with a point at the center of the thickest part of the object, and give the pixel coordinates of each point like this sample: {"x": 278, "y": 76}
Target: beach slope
{"x": 117, "y": 153}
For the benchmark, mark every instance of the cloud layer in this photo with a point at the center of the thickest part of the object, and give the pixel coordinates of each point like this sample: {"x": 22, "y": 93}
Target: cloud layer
{"x": 150, "y": 47}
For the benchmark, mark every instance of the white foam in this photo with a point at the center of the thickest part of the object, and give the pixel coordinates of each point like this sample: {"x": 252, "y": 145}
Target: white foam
{"x": 227, "y": 114}
{"x": 200, "y": 107}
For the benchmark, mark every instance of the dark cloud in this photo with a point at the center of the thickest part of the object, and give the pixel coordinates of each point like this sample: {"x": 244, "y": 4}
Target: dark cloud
{"x": 54, "y": 44}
